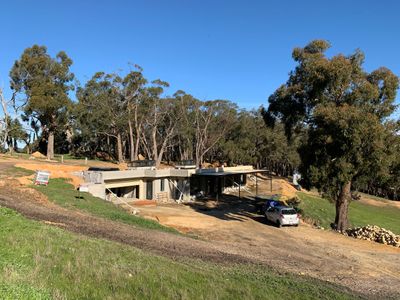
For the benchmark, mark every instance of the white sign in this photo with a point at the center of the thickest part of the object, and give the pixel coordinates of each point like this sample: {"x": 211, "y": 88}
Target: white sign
{"x": 84, "y": 188}
{"x": 42, "y": 177}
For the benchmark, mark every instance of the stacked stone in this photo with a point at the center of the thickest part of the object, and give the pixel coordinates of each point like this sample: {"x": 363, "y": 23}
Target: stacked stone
{"x": 374, "y": 233}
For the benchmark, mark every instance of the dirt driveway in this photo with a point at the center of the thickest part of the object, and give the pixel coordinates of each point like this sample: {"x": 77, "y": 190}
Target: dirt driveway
{"x": 361, "y": 265}
{"x": 234, "y": 236}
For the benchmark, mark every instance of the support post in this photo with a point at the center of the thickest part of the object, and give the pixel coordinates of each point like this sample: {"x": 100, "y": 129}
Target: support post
{"x": 256, "y": 184}
{"x": 271, "y": 183}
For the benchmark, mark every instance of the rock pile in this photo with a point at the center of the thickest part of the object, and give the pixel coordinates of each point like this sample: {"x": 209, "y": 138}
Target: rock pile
{"x": 374, "y": 233}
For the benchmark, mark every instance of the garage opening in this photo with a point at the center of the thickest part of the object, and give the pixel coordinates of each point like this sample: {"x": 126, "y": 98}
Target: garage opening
{"x": 126, "y": 192}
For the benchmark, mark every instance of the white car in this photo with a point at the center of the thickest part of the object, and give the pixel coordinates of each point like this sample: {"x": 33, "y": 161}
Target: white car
{"x": 282, "y": 215}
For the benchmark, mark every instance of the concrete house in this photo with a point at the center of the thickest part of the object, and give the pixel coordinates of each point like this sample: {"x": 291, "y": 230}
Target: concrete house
{"x": 142, "y": 181}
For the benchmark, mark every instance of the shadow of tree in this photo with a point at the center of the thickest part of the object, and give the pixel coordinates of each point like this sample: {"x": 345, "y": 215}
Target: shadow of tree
{"x": 231, "y": 208}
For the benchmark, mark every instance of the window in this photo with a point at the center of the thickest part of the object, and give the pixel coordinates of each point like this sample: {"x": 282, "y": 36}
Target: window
{"x": 162, "y": 185}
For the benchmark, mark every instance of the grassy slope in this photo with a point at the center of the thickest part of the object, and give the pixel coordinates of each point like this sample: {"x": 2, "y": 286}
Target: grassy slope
{"x": 38, "y": 261}
{"x": 64, "y": 194}
{"x": 16, "y": 172}
{"x": 360, "y": 214}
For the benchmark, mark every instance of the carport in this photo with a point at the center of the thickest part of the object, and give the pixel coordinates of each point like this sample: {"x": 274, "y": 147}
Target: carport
{"x": 212, "y": 183}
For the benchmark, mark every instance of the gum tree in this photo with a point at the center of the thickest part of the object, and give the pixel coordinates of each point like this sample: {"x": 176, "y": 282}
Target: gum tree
{"x": 343, "y": 108}
{"x": 45, "y": 82}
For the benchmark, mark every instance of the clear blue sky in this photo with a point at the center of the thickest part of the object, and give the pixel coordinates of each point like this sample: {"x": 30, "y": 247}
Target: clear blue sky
{"x": 236, "y": 50}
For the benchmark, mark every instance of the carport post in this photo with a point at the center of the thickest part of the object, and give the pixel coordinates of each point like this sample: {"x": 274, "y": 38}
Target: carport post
{"x": 256, "y": 184}
{"x": 239, "y": 189}
{"x": 271, "y": 182}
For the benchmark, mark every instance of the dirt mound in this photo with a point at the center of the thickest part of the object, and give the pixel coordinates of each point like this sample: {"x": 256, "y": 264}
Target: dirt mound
{"x": 56, "y": 171}
{"x": 25, "y": 180}
{"x": 37, "y": 154}
{"x": 287, "y": 190}
{"x": 10, "y": 186}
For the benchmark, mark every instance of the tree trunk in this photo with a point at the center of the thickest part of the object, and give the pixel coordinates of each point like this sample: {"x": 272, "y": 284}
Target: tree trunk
{"x": 5, "y": 112}
{"x": 50, "y": 145}
{"x": 119, "y": 148}
{"x": 342, "y": 207}
{"x": 131, "y": 142}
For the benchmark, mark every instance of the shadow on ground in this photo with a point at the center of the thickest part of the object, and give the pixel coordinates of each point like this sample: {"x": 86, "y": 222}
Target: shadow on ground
{"x": 231, "y": 208}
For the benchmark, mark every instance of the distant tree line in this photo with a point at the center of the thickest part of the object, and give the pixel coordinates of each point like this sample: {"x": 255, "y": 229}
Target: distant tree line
{"x": 332, "y": 120}
{"x": 124, "y": 117}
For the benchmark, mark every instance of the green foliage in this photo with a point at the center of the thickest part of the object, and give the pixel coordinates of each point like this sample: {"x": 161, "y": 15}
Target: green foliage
{"x": 343, "y": 108}
{"x": 37, "y": 260}
{"x": 344, "y": 143}
{"x": 321, "y": 211}
{"x": 45, "y": 83}
{"x": 64, "y": 194}
{"x": 249, "y": 141}
{"x": 15, "y": 133}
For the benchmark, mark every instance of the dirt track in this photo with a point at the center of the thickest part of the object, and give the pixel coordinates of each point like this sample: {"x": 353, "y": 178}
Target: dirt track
{"x": 361, "y": 266}
{"x": 236, "y": 237}
{"x": 170, "y": 245}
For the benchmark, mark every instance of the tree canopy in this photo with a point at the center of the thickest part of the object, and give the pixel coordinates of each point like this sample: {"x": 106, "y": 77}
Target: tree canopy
{"x": 344, "y": 110}
{"x": 45, "y": 82}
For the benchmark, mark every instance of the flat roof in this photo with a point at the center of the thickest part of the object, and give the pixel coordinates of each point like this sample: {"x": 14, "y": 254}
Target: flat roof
{"x": 227, "y": 173}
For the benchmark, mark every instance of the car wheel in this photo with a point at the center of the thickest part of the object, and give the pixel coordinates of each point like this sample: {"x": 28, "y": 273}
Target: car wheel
{"x": 278, "y": 224}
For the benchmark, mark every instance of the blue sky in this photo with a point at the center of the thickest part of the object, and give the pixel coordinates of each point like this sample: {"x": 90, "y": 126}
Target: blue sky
{"x": 236, "y": 50}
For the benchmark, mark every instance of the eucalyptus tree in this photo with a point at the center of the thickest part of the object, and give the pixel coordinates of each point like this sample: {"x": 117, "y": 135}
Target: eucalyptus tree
{"x": 133, "y": 90}
{"x": 161, "y": 119}
{"x": 101, "y": 110}
{"x": 16, "y": 133}
{"x": 44, "y": 82}
{"x": 185, "y": 138}
{"x": 5, "y": 121}
{"x": 343, "y": 108}
{"x": 211, "y": 120}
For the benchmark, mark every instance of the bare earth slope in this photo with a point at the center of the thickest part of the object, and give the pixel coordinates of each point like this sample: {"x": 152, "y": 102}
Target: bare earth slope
{"x": 360, "y": 265}
{"x": 233, "y": 237}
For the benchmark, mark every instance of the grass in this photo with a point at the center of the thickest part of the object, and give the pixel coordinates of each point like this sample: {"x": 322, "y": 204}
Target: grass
{"x": 63, "y": 193}
{"x": 13, "y": 171}
{"x": 323, "y": 213}
{"x": 38, "y": 261}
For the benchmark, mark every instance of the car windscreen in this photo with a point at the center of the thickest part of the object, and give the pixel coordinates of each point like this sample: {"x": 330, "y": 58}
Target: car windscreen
{"x": 289, "y": 212}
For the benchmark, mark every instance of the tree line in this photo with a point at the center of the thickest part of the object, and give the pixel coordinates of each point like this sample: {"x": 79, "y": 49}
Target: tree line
{"x": 126, "y": 117}
{"x": 332, "y": 120}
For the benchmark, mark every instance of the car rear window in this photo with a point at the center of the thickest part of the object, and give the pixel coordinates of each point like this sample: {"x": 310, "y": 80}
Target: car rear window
{"x": 289, "y": 212}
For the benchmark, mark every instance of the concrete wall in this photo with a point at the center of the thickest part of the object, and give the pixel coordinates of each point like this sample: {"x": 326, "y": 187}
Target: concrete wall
{"x": 97, "y": 190}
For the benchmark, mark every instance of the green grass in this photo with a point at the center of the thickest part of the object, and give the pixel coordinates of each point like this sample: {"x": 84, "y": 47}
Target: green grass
{"x": 323, "y": 213}
{"x": 13, "y": 171}
{"x": 38, "y": 261}
{"x": 62, "y": 193}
